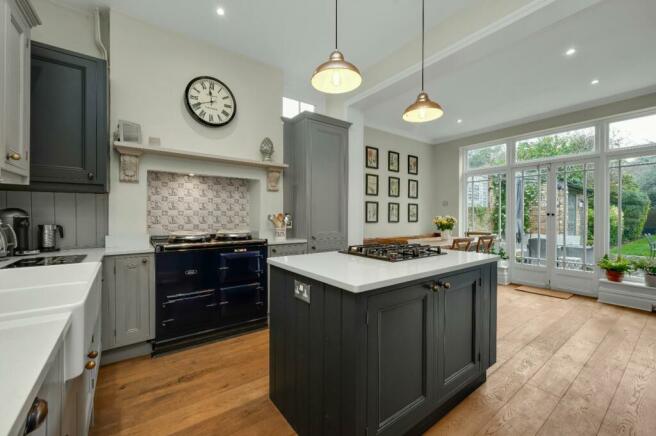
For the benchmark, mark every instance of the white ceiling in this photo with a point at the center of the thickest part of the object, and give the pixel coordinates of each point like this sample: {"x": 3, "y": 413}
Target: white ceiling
{"x": 517, "y": 74}
{"x": 294, "y": 35}
{"x": 522, "y": 73}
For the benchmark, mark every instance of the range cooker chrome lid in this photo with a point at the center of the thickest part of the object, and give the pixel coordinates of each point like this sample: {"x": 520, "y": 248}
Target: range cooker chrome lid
{"x": 233, "y": 234}
{"x": 188, "y": 236}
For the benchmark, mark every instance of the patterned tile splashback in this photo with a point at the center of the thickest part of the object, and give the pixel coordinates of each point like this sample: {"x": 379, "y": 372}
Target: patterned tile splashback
{"x": 182, "y": 202}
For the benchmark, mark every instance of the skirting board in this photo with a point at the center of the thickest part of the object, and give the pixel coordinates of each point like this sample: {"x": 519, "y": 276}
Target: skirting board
{"x": 636, "y": 297}
{"x": 125, "y": 353}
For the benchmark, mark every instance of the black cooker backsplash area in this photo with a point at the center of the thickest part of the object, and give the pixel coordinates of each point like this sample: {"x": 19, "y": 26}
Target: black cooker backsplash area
{"x": 201, "y": 203}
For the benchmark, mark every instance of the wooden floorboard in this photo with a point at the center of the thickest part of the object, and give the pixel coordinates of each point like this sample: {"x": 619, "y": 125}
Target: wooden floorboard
{"x": 564, "y": 367}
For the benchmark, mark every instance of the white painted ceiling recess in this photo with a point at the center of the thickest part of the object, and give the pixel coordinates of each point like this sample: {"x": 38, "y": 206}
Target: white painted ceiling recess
{"x": 521, "y": 73}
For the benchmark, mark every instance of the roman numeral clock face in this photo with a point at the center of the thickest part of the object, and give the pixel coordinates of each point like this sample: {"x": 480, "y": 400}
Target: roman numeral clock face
{"x": 210, "y": 101}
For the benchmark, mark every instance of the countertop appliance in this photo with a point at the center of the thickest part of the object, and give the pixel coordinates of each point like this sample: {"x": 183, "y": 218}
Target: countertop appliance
{"x": 19, "y": 220}
{"x": 47, "y": 235}
{"x": 208, "y": 286}
{"x": 7, "y": 240}
{"x": 46, "y": 261}
{"x": 394, "y": 252}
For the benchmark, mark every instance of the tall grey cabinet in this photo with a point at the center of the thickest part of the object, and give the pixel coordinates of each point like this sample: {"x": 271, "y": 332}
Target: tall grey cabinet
{"x": 316, "y": 183}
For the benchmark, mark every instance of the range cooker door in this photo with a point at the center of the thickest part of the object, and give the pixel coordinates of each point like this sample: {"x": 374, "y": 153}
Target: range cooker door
{"x": 241, "y": 265}
{"x": 241, "y": 303}
{"x": 179, "y": 315}
{"x": 179, "y": 272}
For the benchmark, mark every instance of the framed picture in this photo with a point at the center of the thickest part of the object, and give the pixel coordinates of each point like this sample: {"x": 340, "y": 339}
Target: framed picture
{"x": 413, "y": 188}
{"x": 413, "y": 212}
{"x": 371, "y": 157}
{"x": 393, "y": 161}
{"x": 394, "y": 187}
{"x": 371, "y": 211}
{"x": 413, "y": 164}
{"x": 393, "y": 212}
{"x": 371, "y": 184}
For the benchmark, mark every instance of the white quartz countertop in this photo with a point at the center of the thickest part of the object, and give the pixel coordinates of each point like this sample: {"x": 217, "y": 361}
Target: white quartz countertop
{"x": 27, "y": 346}
{"x": 288, "y": 241}
{"x": 358, "y": 274}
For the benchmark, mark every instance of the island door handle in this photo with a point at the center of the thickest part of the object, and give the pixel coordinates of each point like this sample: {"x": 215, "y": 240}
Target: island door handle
{"x": 445, "y": 285}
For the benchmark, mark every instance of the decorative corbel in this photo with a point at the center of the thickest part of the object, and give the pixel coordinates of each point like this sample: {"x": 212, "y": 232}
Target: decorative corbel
{"x": 128, "y": 169}
{"x": 273, "y": 179}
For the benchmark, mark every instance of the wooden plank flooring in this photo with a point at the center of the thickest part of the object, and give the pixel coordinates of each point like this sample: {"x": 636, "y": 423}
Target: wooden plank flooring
{"x": 564, "y": 367}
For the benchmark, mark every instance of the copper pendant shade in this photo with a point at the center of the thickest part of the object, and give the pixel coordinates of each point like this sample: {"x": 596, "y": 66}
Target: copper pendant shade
{"x": 423, "y": 109}
{"x": 336, "y": 76}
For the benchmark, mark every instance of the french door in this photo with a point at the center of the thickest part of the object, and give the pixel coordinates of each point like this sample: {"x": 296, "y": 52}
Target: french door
{"x": 553, "y": 224}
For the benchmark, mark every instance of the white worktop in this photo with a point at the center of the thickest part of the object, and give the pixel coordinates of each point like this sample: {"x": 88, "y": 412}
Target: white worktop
{"x": 287, "y": 241}
{"x": 27, "y": 346}
{"x": 358, "y": 274}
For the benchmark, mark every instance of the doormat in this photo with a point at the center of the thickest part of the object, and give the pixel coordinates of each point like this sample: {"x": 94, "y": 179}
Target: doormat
{"x": 547, "y": 292}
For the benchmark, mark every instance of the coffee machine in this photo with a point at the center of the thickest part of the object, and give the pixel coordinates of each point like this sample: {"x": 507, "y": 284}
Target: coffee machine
{"x": 19, "y": 221}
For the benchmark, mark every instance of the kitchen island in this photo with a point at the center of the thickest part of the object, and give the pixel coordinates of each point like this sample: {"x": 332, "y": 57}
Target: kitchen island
{"x": 361, "y": 346}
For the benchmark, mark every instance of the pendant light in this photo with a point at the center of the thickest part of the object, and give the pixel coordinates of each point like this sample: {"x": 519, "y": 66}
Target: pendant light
{"x": 423, "y": 109}
{"x": 336, "y": 76}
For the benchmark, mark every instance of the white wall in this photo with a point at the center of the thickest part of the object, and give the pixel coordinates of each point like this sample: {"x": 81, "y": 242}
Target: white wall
{"x": 66, "y": 27}
{"x": 388, "y": 142}
{"x": 150, "y": 68}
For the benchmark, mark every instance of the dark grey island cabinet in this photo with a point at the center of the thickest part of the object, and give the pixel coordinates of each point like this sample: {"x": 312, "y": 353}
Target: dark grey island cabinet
{"x": 388, "y": 361}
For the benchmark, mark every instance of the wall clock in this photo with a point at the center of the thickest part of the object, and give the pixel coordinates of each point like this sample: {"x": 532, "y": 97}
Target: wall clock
{"x": 210, "y": 101}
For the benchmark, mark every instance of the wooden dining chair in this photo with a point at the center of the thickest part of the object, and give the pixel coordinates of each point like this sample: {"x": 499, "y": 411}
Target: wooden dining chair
{"x": 484, "y": 244}
{"x": 461, "y": 244}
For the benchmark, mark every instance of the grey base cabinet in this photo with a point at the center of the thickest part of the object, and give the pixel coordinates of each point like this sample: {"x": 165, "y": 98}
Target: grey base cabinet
{"x": 128, "y": 300}
{"x": 386, "y": 362}
{"x": 316, "y": 182}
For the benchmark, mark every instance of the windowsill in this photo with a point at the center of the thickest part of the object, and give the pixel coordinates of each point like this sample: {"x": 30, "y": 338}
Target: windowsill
{"x": 628, "y": 285}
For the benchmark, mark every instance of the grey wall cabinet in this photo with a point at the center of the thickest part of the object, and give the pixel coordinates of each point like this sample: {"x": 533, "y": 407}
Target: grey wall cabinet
{"x": 390, "y": 361}
{"x": 69, "y": 139}
{"x": 316, "y": 183}
{"x": 128, "y": 300}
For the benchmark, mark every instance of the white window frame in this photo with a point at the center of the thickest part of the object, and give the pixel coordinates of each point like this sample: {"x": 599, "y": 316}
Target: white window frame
{"x": 601, "y": 153}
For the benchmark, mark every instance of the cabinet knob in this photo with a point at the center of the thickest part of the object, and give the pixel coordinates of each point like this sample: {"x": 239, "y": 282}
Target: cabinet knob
{"x": 445, "y": 285}
{"x": 90, "y": 176}
{"x": 314, "y": 238}
{"x": 92, "y": 354}
{"x": 273, "y": 250}
{"x": 313, "y": 247}
{"x": 90, "y": 364}
{"x": 434, "y": 287}
{"x": 13, "y": 156}
{"x": 144, "y": 260}
{"x": 36, "y": 416}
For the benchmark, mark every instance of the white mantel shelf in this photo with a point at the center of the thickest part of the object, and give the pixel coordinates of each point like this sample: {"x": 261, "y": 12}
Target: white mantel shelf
{"x": 131, "y": 153}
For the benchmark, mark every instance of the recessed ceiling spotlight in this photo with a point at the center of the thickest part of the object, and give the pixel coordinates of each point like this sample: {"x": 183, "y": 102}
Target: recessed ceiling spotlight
{"x": 220, "y": 11}
{"x": 594, "y": 82}
{"x": 459, "y": 121}
{"x": 570, "y": 52}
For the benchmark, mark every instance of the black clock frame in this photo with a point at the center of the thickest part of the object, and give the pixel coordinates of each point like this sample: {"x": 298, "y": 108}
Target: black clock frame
{"x": 194, "y": 115}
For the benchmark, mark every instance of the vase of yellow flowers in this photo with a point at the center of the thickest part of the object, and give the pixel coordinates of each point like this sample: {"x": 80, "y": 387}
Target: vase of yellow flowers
{"x": 445, "y": 225}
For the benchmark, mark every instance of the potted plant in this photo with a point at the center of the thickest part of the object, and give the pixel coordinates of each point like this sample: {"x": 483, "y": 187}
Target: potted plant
{"x": 648, "y": 266}
{"x": 615, "y": 268}
{"x": 445, "y": 225}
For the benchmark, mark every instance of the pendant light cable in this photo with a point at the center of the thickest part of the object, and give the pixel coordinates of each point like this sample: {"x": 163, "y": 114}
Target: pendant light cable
{"x": 422, "y": 43}
{"x": 335, "y": 24}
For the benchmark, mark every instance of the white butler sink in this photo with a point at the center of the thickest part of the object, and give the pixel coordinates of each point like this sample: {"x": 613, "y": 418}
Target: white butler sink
{"x": 74, "y": 289}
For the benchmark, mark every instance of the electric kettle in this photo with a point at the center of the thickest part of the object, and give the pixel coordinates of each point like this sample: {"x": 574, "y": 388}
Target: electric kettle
{"x": 48, "y": 236}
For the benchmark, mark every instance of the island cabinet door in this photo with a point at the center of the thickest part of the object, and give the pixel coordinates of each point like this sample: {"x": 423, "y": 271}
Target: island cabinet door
{"x": 400, "y": 359}
{"x": 458, "y": 331}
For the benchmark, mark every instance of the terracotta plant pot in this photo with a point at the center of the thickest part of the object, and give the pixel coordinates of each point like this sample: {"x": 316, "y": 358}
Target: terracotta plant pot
{"x": 650, "y": 280}
{"x": 614, "y": 276}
